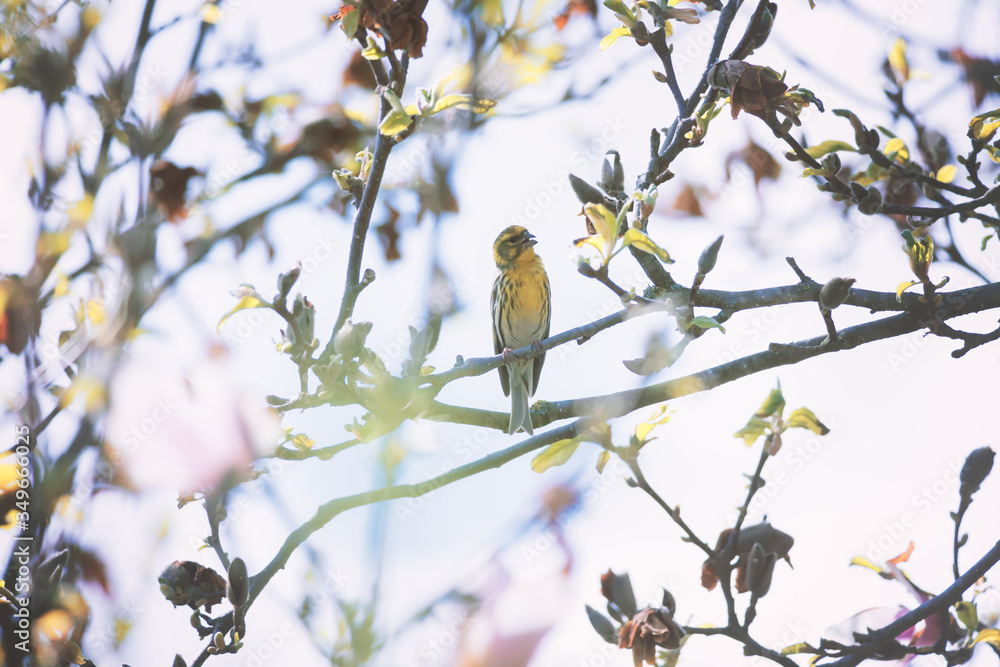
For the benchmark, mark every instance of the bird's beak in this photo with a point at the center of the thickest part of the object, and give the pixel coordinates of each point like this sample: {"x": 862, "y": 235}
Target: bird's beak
{"x": 529, "y": 240}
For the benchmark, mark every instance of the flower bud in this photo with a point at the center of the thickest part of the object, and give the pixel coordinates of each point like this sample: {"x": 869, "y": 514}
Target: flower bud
{"x": 287, "y": 280}
{"x": 871, "y": 204}
{"x": 760, "y": 570}
{"x": 612, "y": 173}
{"x": 858, "y": 191}
{"x": 834, "y": 293}
{"x": 709, "y": 255}
{"x": 775, "y": 445}
{"x": 977, "y": 467}
{"x": 832, "y": 164}
{"x": 350, "y": 339}
{"x": 920, "y": 252}
{"x": 584, "y": 191}
{"x": 237, "y": 589}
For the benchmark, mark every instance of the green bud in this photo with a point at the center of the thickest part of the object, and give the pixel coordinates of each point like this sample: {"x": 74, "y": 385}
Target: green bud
{"x": 871, "y": 204}
{"x": 709, "y": 255}
{"x": 237, "y": 589}
{"x": 612, "y": 173}
{"x": 585, "y": 192}
{"x": 976, "y": 469}
{"x": 669, "y": 602}
{"x": 760, "y": 570}
{"x": 832, "y": 164}
{"x": 858, "y": 191}
{"x": 287, "y": 280}
{"x": 350, "y": 339}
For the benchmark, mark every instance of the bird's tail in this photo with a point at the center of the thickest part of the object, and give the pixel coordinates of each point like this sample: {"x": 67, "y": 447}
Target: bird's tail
{"x": 520, "y": 408}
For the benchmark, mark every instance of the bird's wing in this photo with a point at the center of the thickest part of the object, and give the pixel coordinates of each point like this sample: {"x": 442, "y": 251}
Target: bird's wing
{"x": 540, "y": 359}
{"x": 498, "y": 344}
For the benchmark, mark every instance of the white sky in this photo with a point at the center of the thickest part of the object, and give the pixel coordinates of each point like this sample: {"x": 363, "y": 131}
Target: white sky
{"x": 903, "y": 413}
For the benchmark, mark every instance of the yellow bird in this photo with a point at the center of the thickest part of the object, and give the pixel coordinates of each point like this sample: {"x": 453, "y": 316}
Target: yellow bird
{"x": 520, "y": 303}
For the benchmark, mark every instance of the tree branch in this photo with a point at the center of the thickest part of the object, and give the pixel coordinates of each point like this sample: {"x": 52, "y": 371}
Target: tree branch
{"x": 330, "y": 510}
{"x": 871, "y": 642}
{"x": 352, "y": 285}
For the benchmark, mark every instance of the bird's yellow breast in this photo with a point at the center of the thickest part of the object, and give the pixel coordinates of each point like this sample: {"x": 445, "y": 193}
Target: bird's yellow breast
{"x": 525, "y": 288}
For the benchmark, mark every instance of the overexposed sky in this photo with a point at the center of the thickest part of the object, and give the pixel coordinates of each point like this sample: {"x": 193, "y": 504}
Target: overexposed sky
{"x": 903, "y": 413}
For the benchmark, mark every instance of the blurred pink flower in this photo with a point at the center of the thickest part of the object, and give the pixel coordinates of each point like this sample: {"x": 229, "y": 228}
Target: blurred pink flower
{"x": 925, "y": 633}
{"x": 184, "y": 430}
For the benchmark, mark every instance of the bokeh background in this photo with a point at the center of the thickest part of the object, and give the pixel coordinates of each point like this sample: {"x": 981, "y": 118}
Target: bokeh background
{"x": 903, "y": 414}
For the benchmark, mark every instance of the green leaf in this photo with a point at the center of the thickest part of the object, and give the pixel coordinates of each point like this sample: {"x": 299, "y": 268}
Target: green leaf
{"x": 467, "y": 102}
{"x": 753, "y": 430}
{"x": 897, "y": 60}
{"x": 774, "y": 404}
{"x": 372, "y": 51}
{"x": 864, "y": 562}
{"x": 830, "y": 146}
{"x": 613, "y": 36}
{"x": 707, "y": 323}
{"x": 946, "y": 174}
{"x": 617, "y": 6}
{"x": 659, "y": 416}
{"x": 633, "y": 237}
{"x": 968, "y": 615}
{"x": 804, "y": 418}
{"x": 990, "y": 636}
{"x": 397, "y": 119}
{"x": 349, "y": 23}
{"x": 394, "y": 123}
{"x": 622, "y": 12}
{"x": 602, "y": 460}
{"x": 623, "y": 596}
{"x": 896, "y": 147}
{"x": 555, "y": 454}
{"x": 249, "y": 299}
{"x": 902, "y": 287}
{"x": 605, "y": 628}
{"x": 801, "y": 647}
{"x": 606, "y": 225}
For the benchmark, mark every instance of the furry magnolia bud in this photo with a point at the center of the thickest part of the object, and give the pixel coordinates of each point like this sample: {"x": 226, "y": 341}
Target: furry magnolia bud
{"x": 708, "y": 256}
{"x": 977, "y": 467}
{"x": 834, "y": 293}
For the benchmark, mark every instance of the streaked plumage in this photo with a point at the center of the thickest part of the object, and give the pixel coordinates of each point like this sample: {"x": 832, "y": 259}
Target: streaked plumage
{"x": 521, "y": 306}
